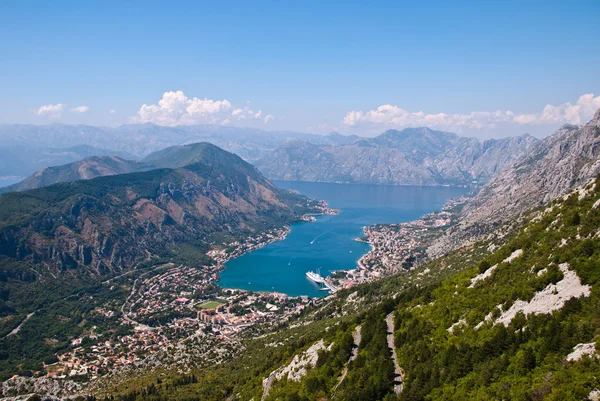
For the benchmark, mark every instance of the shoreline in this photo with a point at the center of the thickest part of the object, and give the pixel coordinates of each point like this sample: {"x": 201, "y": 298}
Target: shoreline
{"x": 385, "y": 185}
{"x": 395, "y": 246}
{"x": 222, "y": 257}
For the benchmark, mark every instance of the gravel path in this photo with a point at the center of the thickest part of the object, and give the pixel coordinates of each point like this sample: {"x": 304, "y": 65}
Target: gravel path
{"x": 353, "y": 356}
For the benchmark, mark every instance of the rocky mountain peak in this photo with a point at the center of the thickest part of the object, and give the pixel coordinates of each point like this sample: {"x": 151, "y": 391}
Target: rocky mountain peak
{"x": 413, "y": 156}
{"x": 596, "y": 119}
{"x": 569, "y": 157}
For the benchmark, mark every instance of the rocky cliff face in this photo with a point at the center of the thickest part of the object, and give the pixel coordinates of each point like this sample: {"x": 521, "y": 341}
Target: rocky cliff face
{"x": 111, "y": 223}
{"x": 416, "y": 156}
{"x": 569, "y": 157}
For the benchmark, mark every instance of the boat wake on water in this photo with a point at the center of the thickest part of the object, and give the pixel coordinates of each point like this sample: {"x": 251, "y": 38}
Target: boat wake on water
{"x": 324, "y": 233}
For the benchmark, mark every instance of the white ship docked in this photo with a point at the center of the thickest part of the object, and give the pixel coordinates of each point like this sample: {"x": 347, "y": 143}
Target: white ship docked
{"x": 316, "y": 277}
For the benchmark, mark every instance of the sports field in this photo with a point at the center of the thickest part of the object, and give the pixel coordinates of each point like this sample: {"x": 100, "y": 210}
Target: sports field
{"x": 210, "y": 305}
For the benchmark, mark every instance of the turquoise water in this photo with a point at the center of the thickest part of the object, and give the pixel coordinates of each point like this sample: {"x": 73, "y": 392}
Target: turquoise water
{"x": 329, "y": 243}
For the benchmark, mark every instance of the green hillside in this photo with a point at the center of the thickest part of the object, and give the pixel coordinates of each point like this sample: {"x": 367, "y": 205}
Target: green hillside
{"x": 497, "y": 320}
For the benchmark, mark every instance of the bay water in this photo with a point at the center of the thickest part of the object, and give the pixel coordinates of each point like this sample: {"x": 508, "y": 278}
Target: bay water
{"x": 328, "y": 244}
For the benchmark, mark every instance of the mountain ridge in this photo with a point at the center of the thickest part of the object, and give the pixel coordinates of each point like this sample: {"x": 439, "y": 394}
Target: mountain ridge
{"x": 98, "y": 166}
{"x": 82, "y": 218}
{"x": 413, "y": 156}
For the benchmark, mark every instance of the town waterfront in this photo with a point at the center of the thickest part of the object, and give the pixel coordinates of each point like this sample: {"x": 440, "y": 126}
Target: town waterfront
{"x": 328, "y": 243}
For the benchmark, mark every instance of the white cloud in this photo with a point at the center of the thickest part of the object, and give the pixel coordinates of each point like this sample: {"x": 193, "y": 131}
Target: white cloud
{"x": 50, "y": 110}
{"x": 112, "y": 111}
{"x": 268, "y": 118}
{"x": 175, "y": 108}
{"x": 395, "y": 116}
{"x": 79, "y": 109}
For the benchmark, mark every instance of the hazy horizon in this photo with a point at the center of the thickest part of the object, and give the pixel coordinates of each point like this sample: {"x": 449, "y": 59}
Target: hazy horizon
{"x": 371, "y": 134}
{"x": 489, "y": 70}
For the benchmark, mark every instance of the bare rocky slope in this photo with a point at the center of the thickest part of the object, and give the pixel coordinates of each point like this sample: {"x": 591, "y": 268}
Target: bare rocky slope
{"x": 569, "y": 157}
{"x": 414, "y": 156}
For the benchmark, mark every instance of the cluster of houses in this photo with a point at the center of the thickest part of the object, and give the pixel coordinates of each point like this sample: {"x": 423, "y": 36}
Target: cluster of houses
{"x": 393, "y": 244}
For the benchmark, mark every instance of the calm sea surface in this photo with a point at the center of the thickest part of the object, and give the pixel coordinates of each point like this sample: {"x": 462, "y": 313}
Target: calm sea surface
{"x": 328, "y": 244}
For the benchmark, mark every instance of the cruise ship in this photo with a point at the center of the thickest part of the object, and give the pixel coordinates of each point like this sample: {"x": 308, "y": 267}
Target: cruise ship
{"x": 316, "y": 277}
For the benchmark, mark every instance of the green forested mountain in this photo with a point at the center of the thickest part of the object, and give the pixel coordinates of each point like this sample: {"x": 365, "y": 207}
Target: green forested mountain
{"x": 101, "y": 166}
{"x": 116, "y": 221}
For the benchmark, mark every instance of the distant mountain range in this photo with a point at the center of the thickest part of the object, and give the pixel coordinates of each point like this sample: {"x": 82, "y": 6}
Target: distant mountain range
{"x": 84, "y": 169}
{"x": 413, "y": 156}
{"x": 18, "y": 160}
{"x": 25, "y": 149}
{"x": 100, "y": 166}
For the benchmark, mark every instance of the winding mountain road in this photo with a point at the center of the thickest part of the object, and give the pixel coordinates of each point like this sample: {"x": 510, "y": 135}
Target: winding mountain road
{"x": 126, "y": 317}
{"x": 398, "y": 372}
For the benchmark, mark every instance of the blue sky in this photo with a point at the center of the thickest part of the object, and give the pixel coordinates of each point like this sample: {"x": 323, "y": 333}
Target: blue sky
{"x": 306, "y": 65}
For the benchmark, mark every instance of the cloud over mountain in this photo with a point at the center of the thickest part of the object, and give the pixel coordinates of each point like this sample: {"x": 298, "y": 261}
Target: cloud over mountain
{"x": 79, "y": 109}
{"x": 394, "y": 116}
{"x": 175, "y": 108}
{"x": 50, "y": 110}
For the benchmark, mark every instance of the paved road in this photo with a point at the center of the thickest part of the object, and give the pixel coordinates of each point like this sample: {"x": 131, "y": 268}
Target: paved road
{"x": 268, "y": 384}
{"x": 132, "y": 293}
{"x": 398, "y": 372}
{"x": 16, "y": 330}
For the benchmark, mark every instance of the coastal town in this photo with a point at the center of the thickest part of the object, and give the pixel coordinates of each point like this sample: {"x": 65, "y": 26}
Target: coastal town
{"x": 173, "y": 303}
{"x": 395, "y": 247}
